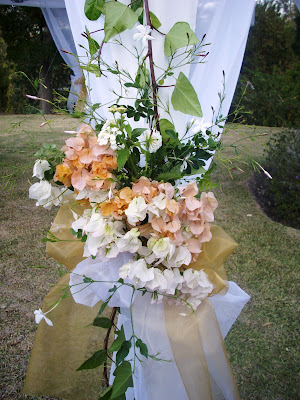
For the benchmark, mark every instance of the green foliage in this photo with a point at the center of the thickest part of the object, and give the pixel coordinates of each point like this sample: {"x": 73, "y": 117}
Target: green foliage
{"x": 271, "y": 68}
{"x": 93, "y": 9}
{"x": 184, "y": 98}
{"x": 123, "y": 379}
{"x": 283, "y": 162}
{"x": 29, "y": 46}
{"x": 118, "y": 18}
{"x": 180, "y": 35}
{"x": 97, "y": 359}
{"x": 270, "y": 99}
{"x": 102, "y": 322}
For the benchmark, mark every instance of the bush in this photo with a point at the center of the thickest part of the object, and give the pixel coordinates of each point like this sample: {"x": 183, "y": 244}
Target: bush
{"x": 280, "y": 196}
{"x": 270, "y": 99}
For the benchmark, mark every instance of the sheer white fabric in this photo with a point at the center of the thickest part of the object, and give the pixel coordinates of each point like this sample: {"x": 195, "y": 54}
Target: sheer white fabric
{"x": 153, "y": 379}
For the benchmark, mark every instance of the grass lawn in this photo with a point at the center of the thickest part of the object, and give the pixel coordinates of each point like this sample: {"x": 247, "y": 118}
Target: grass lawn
{"x": 262, "y": 345}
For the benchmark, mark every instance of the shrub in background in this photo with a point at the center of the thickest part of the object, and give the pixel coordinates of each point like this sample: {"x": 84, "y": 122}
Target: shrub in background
{"x": 282, "y": 193}
{"x": 270, "y": 99}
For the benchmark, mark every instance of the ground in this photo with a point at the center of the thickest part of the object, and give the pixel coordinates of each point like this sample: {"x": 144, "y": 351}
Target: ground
{"x": 262, "y": 345}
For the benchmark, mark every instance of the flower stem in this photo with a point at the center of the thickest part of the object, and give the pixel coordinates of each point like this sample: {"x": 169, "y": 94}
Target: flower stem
{"x": 153, "y": 80}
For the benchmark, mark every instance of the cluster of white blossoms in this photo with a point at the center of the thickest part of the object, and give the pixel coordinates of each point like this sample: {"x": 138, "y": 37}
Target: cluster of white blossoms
{"x": 151, "y": 140}
{"x": 43, "y": 192}
{"x": 190, "y": 285}
{"x": 108, "y": 135}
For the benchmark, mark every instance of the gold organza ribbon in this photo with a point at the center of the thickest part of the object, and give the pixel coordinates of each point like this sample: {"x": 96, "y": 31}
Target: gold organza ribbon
{"x": 59, "y": 350}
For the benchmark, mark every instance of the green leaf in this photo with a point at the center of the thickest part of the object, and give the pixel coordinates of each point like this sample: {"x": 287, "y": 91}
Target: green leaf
{"x": 154, "y": 20}
{"x": 165, "y": 124}
{"x": 123, "y": 379}
{"x": 93, "y": 68}
{"x": 137, "y": 132}
{"x": 118, "y": 18}
{"x": 93, "y": 9}
{"x": 123, "y": 352}
{"x": 143, "y": 348}
{"x": 123, "y": 155}
{"x": 95, "y": 361}
{"x": 184, "y": 98}
{"x": 102, "y": 308}
{"x": 172, "y": 134}
{"x": 102, "y": 322}
{"x": 106, "y": 394}
{"x": 93, "y": 45}
{"x": 117, "y": 343}
{"x": 174, "y": 174}
{"x": 128, "y": 130}
{"x": 180, "y": 35}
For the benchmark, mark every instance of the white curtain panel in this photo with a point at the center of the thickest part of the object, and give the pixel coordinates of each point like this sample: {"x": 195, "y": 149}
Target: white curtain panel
{"x": 226, "y": 24}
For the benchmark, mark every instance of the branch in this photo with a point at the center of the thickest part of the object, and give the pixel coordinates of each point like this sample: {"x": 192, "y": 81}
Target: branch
{"x": 153, "y": 80}
{"x": 112, "y": 318}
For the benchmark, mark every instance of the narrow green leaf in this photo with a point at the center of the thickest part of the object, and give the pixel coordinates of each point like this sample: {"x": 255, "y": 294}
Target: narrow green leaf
{"x": 93, "y": 9}
{"x": 123, "y": 155}
{"x": 95, "y": 361}
{"x": 180, "y": 35}
{"x": 117, "y": 343}
{"x": 102, "y": 308}
{"x": 123, "y": 379}
{"x": 128, "y": 130}
{"x": 102, "y": 322}
{"x": 184, "y": 98}
{"x": 143, "y": 348}
{"x": 123, "y": 352}
{"x": 155, "y": 21}
{"x": 137, "y": 132}
{"x": 118, "y": 18}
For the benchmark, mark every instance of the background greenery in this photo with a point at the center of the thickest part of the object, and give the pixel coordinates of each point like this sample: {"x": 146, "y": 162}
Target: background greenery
{"x": 271, "y": 68}
{"x": 26, "y": 47}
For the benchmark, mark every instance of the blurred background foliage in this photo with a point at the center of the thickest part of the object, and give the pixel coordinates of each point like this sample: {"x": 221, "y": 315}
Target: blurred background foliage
{"x": 270, "y": 74}
{"x": 27, "y": 48}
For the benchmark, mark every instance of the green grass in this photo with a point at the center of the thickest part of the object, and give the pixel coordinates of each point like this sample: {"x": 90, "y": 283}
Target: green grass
{"x": 262, "y": 345}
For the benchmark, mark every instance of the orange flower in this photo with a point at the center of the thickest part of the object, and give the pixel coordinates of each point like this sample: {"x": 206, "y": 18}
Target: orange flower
{"x": 63, "y": 174}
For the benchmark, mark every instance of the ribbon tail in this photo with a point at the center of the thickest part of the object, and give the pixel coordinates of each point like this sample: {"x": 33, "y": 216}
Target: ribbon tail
{"x": 200, "y": 354}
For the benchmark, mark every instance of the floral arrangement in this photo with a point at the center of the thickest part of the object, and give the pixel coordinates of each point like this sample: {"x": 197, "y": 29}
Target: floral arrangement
{"x": 139, "y": 180}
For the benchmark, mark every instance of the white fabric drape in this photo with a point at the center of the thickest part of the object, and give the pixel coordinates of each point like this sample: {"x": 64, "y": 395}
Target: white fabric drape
{"x": 159, "y": 380}
{"x": 56, "y": 17}
{"x": 226, "y": 25}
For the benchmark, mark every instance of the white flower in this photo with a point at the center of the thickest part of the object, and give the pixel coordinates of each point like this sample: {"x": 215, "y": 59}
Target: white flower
{"x": 136, "y": 211}
{"x": 196, "y": 283}
{"x": 181, "y": 256}
{"x": 174, "y": 280}
{"x": 45, "y": 194}
{"x": 40, "y": 167}
{"x": 151, "y": 140}
{"x": 137, "y": 271}
{"x": 200, "y": 126}
{"x": 130, "y": 242}
{"x": 144, "y": 34}
{"x": 158, "y": 282}
{"x": 108, "y": 134}
{"x": 39, "y": 315}
{"x": 157, "y": 205}
{"x": 162, "y": 248}
{"x": 94, "y": 197}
